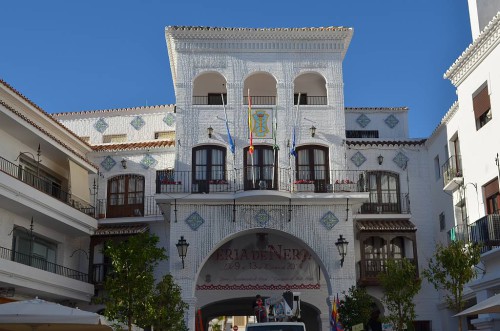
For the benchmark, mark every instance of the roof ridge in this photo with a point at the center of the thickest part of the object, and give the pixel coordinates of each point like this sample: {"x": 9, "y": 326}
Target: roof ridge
{"x": 82, "y": 112}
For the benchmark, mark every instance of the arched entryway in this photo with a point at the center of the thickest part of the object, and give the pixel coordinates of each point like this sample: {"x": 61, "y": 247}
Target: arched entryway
{"x": 266, "y": 262}
{"x": 243, "y": 307}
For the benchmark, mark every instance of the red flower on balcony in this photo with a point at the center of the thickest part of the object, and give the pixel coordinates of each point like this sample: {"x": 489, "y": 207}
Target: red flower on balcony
{"x": 344, "y": 181}
{"x": 304, "y": 181}
{"x": 218, "y": 181}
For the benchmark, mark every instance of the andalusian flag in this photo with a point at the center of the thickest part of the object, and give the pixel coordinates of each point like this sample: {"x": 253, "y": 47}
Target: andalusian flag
{"x": 251, "y": 148}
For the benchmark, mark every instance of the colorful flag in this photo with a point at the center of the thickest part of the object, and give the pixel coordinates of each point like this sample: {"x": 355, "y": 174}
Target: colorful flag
{"x": 293, "y": 152}
{"x": 251, "y": 148}
{"x": 229, "y": 138}
{"x": 339, "y": 325}
{"x": 333, "y": 316}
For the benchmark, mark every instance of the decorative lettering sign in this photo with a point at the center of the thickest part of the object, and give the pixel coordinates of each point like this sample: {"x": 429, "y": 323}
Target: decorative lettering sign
{"x": 260, "y": 262}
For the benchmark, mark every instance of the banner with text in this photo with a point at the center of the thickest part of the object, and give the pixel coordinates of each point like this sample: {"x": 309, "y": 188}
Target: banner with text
{"x": 260, "y": 262}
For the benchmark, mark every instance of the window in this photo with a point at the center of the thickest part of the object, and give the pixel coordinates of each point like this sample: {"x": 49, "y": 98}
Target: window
{"x": 492, "y": 197}
{"x": 361, "y": 133}
{"x": 216, "y": 98}
{"x": 125, "y": 196}
{"x": 303, "y": 98}
{"x": 437, "y": 169}
{"x": 33, "y": 250}
{"x": 482, "y": 107}
{"x": 384, "y": 193}
{"x": 260, "y": 169}
{"x": 209, "y": 165}
{"x": 114, "y": 138}
{"x": 442, "y": 223}
{"x": 165, "y": 135}
{"x": 312, "y": 165}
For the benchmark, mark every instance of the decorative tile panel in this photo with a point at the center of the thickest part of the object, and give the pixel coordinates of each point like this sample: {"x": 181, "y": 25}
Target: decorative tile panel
{"x": 363, "y": 120}
{"x": 262, "y": 217}
{"x": 108, "y": 163}
{"x": 169, "y": 119}
{"x": 401, "y": 160}
{"x": 194, "y": 221}
{"x": 358, "y": 159}
{"x": 138, "y": 123}
{"x": 148, "y": 161}
{"x": 101, "y": 125}
{"x": 329, "y": 220}
{"x": 391, "y": 121}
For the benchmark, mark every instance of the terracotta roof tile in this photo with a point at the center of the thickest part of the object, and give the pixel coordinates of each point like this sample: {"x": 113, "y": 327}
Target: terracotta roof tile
{"x": 385, "y": 225}
{"x": 414, "y": 142}
{"x": 121, "y": 229}
{"x": 134, "y": 145}
{"x": 39, "y": 108}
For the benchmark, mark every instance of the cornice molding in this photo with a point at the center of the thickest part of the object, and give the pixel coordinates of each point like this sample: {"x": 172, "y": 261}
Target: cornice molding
{"x": 475, "y": 53}
{"x": 445, "y": 120}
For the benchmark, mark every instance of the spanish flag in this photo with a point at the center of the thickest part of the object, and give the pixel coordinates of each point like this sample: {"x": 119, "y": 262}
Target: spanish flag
{"x": 251, "y": 148}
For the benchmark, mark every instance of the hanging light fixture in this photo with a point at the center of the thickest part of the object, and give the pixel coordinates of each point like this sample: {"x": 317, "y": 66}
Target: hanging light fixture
{"x": 380, "y": 159}
{"x": 342, "y": 247}
{"x": 210, "y": 130}
{"x": 182, "y": 247}
{"x": 313, "y": 131}
{"x": 124, "y": 163}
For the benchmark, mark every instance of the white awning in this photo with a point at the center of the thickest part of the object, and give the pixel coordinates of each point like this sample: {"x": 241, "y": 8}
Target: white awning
{"x": 488, "y": 306}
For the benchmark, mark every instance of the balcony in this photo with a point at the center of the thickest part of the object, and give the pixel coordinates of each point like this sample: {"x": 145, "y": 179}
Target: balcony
{"x": 128, "y": 207}
{"x": 42, "y": 264}
{"x": 452, "y": 173}
{"x": 41, "y": 184}
{"x": 386, "y": 203}
{"x": 259, "y": 178}
{"x": 369, "y": 269}
{"x": 485, "y": 231}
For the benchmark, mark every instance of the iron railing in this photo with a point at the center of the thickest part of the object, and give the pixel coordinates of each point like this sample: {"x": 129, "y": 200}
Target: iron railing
{"x": 485, "y": 232}
{"x": 452, "y": 168}
{"x": 259, "y": 178}
{"x": 369, "y": 269}
{"x": 46, "y": 186}
{"x": 128, "y": 207}
{"x": 260, "y": 100}
{"x": 312, "y": 100}
{"x": 386, "y": 203}
{"x": 42, "y": 264}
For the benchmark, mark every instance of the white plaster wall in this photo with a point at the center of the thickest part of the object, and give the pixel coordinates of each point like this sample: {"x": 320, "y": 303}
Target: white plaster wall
{"x": 377, "y": 122}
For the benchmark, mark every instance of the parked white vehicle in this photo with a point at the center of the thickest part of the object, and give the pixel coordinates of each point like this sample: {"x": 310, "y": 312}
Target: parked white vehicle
{"x": 276, "y": 326}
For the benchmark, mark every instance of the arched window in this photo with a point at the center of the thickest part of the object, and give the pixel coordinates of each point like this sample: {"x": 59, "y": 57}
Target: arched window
{"x": 312, "y": 166}
{"x": 125, "y": 196}
{"x": 260, "y": 169}
{"x": 209, "y": 167}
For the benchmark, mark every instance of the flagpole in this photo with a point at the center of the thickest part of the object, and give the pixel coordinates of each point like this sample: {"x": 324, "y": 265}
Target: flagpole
{"x": 294, "y": 136}
{"x": 275, "y": 146}
{"x": 232, "y": 147}
{"x": 251, "y": 148}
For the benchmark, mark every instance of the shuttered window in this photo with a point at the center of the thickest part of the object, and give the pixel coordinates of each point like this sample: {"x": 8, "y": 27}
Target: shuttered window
{"x": 482, "y": 107}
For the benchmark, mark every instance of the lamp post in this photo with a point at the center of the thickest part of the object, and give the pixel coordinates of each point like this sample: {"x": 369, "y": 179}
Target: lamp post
{"x": 342, "y": 247}
{"x": 182, "y": 246}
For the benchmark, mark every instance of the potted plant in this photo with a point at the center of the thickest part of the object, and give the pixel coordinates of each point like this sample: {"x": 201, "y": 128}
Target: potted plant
{"x": 303, "y": 185}
{"x": 170, "y": 186}
{"x": 344, "y": 185}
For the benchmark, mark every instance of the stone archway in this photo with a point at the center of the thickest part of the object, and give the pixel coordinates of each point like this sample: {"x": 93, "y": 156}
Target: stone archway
{"x": 265, "y": 262}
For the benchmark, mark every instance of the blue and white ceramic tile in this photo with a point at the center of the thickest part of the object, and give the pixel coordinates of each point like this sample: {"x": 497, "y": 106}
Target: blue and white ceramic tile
{"x": 358, "y": 159}
{"x": 391, "y": 121}
{"x": 101, "y": 125}
{"x": 363, "y": 120}
{"x": 108, "y": 163}
{"x": 329, "y": 220}
{"x": 194, "y": 221}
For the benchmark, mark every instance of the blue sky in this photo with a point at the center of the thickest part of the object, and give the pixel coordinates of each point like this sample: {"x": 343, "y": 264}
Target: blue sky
{"x": 85, "y": 55}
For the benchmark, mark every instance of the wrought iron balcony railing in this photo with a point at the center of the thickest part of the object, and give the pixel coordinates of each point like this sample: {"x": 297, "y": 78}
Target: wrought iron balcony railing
{"x": 485, "y": 231}
{"x": 42, "y": 264}
{"x": 128, "y": 207}
{"x": 386, "y": 203}
{"x": 259, "y": 178}
{"x": 199, "y": 100}
{"x": 42, "y": 184}
{"x": 451, "y": 169}
{"x": 369, "y": 269}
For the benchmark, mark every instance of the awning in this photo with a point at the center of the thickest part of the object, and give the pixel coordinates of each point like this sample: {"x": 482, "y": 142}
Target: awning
{"x": 488, "y": 306}
{"x": 121, "y": 229}
{"x": 385, "y": 225}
